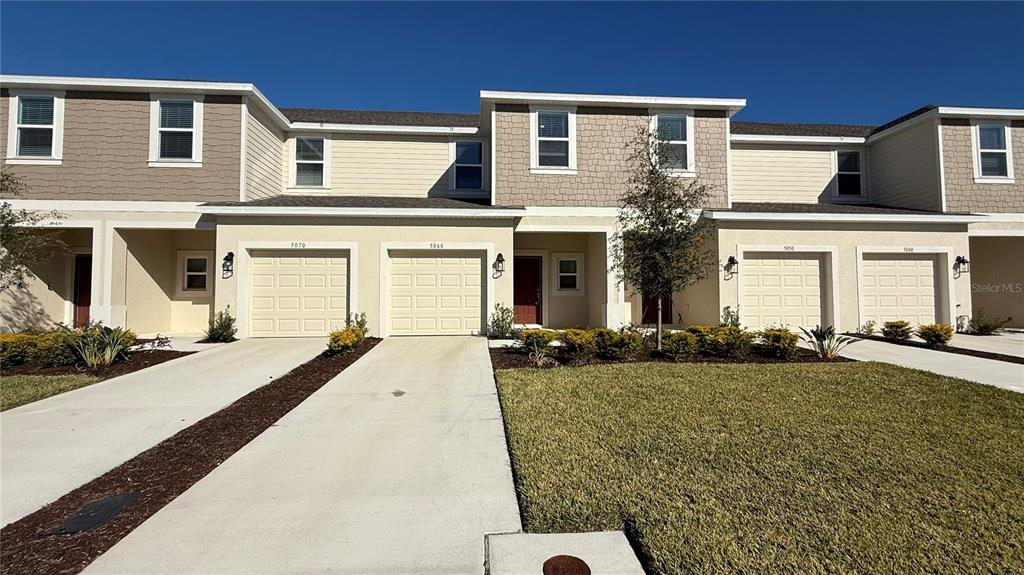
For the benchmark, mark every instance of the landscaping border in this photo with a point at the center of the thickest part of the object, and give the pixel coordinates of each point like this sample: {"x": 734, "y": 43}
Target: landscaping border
{"x": 514, "y": 358}
{"x": 945, "y": 348}
{"x": 33, "y": 546}
{"x": 135, "y": 361}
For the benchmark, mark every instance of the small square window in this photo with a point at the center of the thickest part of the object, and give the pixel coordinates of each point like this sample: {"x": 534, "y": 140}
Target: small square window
{"x": 569, "y": 270}
{"x": 566, "y": 282}
{"x": 196, "y": 273}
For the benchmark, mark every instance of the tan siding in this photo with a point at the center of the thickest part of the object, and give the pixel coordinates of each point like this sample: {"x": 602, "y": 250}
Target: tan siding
{"x": 389, "y": 165}
{"x": 781, "y": 174}
{"x": 904, "y": 169}
{"x": 264, "y": 153}
{"x": 106, "y": 153}
{"x": 963, "y": 194}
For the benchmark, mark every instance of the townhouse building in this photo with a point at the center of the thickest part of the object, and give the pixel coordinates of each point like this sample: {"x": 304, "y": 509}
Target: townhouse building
{"x": 183, "y": 198}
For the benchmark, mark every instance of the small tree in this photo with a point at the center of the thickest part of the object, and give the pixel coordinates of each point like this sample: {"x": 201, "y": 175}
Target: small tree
{"x": 22, "y": 243}
{"x": 661, "y": 245}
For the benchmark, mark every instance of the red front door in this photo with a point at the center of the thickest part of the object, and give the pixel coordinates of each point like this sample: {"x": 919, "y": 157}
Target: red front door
{"x": 83, "y": 288}
{"x": 526, "y": 289}
{"x": 650, "y": 315}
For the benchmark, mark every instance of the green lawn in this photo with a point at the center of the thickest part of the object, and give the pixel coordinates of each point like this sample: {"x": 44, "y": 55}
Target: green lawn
{"x": 826, "y": 468}
{"x": 18, "y": 390}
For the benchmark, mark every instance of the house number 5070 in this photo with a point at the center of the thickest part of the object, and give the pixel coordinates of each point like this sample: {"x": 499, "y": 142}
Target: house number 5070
{"x": 298, "y": 244}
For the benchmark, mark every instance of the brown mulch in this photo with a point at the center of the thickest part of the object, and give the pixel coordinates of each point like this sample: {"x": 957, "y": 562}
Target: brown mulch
{"x": 135, "y": 361}
{"x": 946, "y": 348}
{"x": 511, "y": 358}
{"x": 159, "y": 474}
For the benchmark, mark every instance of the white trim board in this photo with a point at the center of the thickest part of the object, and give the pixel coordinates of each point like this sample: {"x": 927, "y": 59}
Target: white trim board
{"x": 831, "y": 274}
{"x": 733, "y": 105}
{"x": 853, "y": 218}
{"x": 104, "y": 205}
{"x": 382, "y": 129}
{"x": 364, "y": 212}
{"x": 778, "y": 139}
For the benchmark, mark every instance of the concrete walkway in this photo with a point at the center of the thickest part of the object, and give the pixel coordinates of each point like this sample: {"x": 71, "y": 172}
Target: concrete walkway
{"x": 49, "y": 447}
{"x": 398, "y": 465}
{"x": 988, "y": 371}
{"x": 1009, "y": 343}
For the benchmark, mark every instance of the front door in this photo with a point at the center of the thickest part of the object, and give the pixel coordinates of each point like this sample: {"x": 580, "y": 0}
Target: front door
{"x": 83, "y": 288}
{"x": 526, "y": 288}
{"x": 650, "y": 310}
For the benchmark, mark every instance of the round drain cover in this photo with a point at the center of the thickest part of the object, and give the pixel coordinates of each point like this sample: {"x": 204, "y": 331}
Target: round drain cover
{"x": 565, "y": 565}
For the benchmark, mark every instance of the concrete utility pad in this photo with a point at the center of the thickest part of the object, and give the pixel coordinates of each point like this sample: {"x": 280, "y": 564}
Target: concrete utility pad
{"x": 606, "y": 553}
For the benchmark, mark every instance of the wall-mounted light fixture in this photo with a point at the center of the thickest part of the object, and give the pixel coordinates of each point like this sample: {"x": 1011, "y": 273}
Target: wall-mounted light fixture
{"x": 228, "y": 266}
{"x": 961, "y": 264}
{"x": 499, "y": 264}
{"x": 731, "y": 264}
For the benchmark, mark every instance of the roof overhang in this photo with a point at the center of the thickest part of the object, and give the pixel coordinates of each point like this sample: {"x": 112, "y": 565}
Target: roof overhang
{"x": 482, "y": 213}
{"x": 951, "y": 112}
{"x": 730, "y": 105}
{"x": 848, "y": 218}
{"x": 382, "y": 129}
{"x": 777, "y": 139}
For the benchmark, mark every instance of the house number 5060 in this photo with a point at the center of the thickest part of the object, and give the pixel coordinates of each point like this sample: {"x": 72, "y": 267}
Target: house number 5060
{"x": 436, "y": 246}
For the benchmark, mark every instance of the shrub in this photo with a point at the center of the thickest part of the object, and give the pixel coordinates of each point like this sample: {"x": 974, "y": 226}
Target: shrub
{"x": 578, "y": 345}
{"x": 935, "y": 334}
{"x": 221, "y": 328}
{"x": 53, "y": 348}
{"x": 721, "y": 341}
{"x": 616, "y": 345}
{"x": 357, "y": 320}
{"x": 868, "y": 328}
{"x": 539, "y": 356}
{"x": 679, "y": 344}
{"x": 730, "y": 317}
{"x": 99, "y": 346}
{"x": 345, "y": 340}
{"x": 777, "y": 342}
{"x": 536, "y": 338}
{"x": 824, "y": 342}
{"x": 896, "y": 330}
{"x": 502, "y": 324}
{"x": 17, "y": 348}
{"x": 981, "y": 326}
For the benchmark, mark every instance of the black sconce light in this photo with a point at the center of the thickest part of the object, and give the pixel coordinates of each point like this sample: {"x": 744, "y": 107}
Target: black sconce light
{"x": 499, "y": 264}
{"x": 731, "y": 264}
{"x": 962, "y": 264}
{"x": 229, "y": 264}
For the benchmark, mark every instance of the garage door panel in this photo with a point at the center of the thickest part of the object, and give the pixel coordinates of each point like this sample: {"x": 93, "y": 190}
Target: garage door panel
{"x": 432, "y": 294}
{"x": 298, "y": 295}
{"x": 781, "y": 289}
{"x": 899, "y": 287}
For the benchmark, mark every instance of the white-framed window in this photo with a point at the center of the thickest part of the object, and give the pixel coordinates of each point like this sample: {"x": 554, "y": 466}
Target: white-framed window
{"x": 849, "y": 174}
{"x": 993, "y": 154}
{"x": 310, "y": 162}
{"x": 676, "y": 129}
{"x": 553, "y": 140}
{"x": 467, "y": 165}
{"x": 37, "y": 128}
{"x": 195, "y": 277}
{"x": 176, "y": 131}
{"x": 568, "y": 274}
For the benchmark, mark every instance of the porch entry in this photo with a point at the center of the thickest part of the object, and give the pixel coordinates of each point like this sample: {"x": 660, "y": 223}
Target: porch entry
{"x": 527, "y": 286}
{"x": 82, "y": 289}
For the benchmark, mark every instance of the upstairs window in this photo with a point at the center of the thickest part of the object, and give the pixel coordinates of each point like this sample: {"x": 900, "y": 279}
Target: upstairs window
{"x": 468, "y": 165}
{"x": 553, "y": 150}
{"x": 309, "y": 162}
{"x": 36, "y": 127}
{"x": 675, "y": 130}
{"x": 848, "y": 173}
{"x": 176, "y": 131}
{"x": 993, "y": 159}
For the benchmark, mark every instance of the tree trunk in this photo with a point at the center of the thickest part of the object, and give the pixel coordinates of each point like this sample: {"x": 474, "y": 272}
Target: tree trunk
{"x": 658, "y": 334}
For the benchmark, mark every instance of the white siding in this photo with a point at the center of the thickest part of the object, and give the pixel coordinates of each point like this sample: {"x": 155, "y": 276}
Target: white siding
{"x": 781, "y": 174}
{"x": 904, "y": 169}
{"x": 264, "y": 153}
{"x": 375, "y": 165}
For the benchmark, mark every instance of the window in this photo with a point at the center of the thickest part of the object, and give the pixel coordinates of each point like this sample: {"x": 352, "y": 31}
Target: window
{"x": 176, "y": 131}
{"x": 993, "y": 160}
{"x": 569, "y": 274}
{"x": 675, "y": 129}
{"x": 36, "y": 134}
{"x": 848, "y": 179}
{"x": 469, "y": 166}
{"x": 309, "y": 162}
{"x": 194, "y": 274}
{"x": 553, "y": 148}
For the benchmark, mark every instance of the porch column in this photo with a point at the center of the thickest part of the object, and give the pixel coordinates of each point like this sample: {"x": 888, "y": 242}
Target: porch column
{"x": 616, "y": 310}
{"x": 117, "y": 253}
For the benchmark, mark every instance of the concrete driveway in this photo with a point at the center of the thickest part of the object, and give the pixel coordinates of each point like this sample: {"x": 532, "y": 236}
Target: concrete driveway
{"x": 52, "y": 446}
{"x": 398, "y": 465}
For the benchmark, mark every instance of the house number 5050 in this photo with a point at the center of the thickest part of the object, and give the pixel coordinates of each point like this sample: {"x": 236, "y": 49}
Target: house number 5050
{"x": 436, "y": 246}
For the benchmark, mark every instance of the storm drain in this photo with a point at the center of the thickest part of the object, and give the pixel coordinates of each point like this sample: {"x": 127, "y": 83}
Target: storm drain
{"x": 565, "y": 565}
{"x": 95, "y": 514}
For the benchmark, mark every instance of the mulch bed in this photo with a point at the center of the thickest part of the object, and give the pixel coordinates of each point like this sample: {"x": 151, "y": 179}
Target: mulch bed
{"x": 135, "y": 361}
{"x": 512, "y": 358}
{"x": 159, "y": 474}
{"x": 946, "y": 348}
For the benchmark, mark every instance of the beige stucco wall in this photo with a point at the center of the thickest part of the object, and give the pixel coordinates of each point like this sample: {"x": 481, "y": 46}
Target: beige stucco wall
{"x": 106, "y": 152}
{"x": 997, "y": 277}
{"x": 772, "y": 173}
{"x": 45, "y": 300}
{"x": 963, "y": 194}
{"x": 367, "y": 234}
{"x": 264, "y": 156}
{"x": 602, "y": 138}
{"x": 570, "y": 309}
{"x": 846, "y": 238}
{"x": 904, "y": 169}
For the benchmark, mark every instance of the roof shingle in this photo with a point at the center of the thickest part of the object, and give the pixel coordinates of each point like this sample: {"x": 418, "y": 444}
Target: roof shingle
{"x": 794, "y": 129}
{"x": 382, "y": 118}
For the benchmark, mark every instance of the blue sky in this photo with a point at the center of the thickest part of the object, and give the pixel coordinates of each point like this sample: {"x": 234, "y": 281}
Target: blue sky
{"x": 829, "y": 62}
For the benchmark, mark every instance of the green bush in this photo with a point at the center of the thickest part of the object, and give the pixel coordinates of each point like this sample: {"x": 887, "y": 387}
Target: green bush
{"x": 777, "y": 342}
{"x": 17, "y": 348}
{"x": 345, "y": 340}
{"x": 935, "y": 334}
{"x": 53, "y": 348}
{"x": 981, "y": 326}
{"x": 617, "y": 346}
{"x": 99, "y": 346}
{"x": 824, "y": 342}
{"x": 679, "y": 345}
{"x": 897, "y": 330}
{"x": 578, "y": 345}
{"x": 530, "y": 339}
{"x": 721, "y": 341}
{"x": 357, "y": 320}
{"x": 221, "y": 328}
{"x": 502, "y": 325}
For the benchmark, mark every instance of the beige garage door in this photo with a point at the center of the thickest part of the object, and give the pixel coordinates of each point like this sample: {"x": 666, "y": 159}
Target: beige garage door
{"x": 435, "y": 293}
{"x": 297, "y": 293}
{"x": 781, "y": 289}
{"x": 898, "y": 287}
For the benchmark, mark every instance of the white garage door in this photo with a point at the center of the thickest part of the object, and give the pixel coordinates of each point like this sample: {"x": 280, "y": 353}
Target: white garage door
{"x": 293, "y": 293}
{"x": 898, "y": 287}
{"x": 781, "y": 289}
{"x": 435, "y": 293}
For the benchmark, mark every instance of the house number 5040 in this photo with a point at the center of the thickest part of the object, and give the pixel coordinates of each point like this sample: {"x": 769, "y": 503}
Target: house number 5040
{"x": 436, "y": 246}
